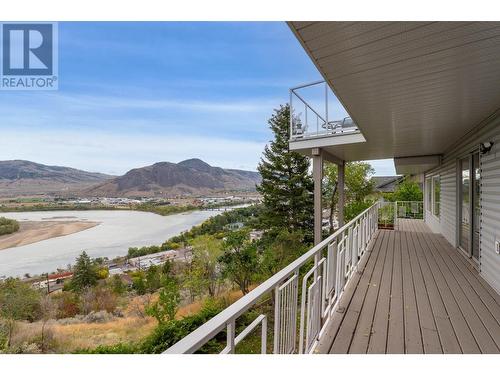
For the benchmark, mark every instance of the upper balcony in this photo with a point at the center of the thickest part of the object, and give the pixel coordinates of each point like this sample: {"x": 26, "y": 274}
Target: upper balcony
{"x": 318, "y": 119}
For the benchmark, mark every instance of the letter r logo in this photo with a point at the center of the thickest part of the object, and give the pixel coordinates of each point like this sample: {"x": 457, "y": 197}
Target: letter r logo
{"x": 27, "y": 49}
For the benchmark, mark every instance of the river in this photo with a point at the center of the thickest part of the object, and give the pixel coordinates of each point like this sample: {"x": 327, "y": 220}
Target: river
{"x": 117, "y": 231}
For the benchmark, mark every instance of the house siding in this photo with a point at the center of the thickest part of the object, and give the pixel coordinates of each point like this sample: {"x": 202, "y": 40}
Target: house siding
{"x": 489, "y": 261}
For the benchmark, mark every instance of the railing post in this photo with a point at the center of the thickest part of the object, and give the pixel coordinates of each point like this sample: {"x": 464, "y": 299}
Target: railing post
{"x": 326, "y": 104}
{"x": 291, "y": 115}
{"x": 277, "y": 314}
{"x": 263, "y": 348}
{"x": 395, "y": 213}
{"x": 230, "y": 336}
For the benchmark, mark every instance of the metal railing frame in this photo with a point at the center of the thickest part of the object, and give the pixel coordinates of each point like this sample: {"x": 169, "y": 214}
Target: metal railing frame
{"x": 402, "y": 210}
{"x": 337, "y": 127}
{"x": 335, "y": 261}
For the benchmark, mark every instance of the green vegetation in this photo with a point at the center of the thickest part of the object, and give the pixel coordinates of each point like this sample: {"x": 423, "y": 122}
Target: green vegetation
{"x": 406, "y": 190}
{"x": 165, "y": 308}
{"x": 167, "y": 334}
{"x": 17, "y": 302}
{"x": 85, "y": 273}
{"x": 8, "y": 226}
{"x": 358, "y": 188}
{"x": 203, "y": 274}
{"x": 164, "y": 210}
{"x": 240, "y": 262}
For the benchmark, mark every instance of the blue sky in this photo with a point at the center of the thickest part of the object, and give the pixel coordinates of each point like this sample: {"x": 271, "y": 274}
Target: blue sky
{"x": 131, "y": 94}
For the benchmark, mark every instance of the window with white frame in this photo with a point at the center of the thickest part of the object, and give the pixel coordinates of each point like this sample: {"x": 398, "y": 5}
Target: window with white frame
{"x": 433, "y": 194}
{"x": 428, "y": 193}
{"x": 436, "y": 195}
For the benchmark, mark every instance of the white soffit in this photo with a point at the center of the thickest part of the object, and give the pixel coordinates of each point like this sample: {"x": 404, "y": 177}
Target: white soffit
{"x": 413, "y": 88}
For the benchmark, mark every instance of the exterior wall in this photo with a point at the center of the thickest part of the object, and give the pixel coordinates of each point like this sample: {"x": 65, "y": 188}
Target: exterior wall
{"x": 490, "y": 196}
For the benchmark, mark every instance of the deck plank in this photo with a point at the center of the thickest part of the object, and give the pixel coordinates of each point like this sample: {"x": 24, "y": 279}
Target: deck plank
{"x": 413, "y": 336}
{"x": 479, "y": 319}
{"x": 344, "y": 336}
{"x": 430, "y": 337}
{"x": 395, "y": 334}
{"x": 364, "y": 327}
{"x": 465, "y": 337}
{"x": 487, "y": 295}
{"x": 338, "y": 315}
{"x": 449, "y": 341}
{"x": 414, "y": 293}
{"x": 379, "y": 331}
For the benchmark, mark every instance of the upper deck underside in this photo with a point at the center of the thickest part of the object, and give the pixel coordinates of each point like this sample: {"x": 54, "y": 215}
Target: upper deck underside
{"x": 414, "y": 293}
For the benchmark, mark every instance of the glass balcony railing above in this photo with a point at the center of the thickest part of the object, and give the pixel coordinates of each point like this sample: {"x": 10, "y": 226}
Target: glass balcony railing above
{"x": 316, "y": 112}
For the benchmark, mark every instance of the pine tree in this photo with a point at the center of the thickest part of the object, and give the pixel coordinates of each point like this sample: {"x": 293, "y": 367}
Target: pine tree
{"x": 84, "y": 273}
{"x": 287, "y": 186}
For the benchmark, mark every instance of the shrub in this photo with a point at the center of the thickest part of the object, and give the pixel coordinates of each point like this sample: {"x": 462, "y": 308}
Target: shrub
{"x": 8, "y": 226}
{"x": 167, "y": 334}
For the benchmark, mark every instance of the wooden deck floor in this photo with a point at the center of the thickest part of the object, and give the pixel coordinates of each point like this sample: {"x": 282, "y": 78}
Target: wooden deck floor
{"x": 414, "y": 293}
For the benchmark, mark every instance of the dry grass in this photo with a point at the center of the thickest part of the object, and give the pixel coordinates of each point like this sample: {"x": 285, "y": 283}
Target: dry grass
{"x": 90, "y": 335}
{"x": 132, "y": 327}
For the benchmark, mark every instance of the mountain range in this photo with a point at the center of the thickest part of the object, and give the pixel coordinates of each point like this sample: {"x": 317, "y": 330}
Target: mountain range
{"x": 189, "y": 177}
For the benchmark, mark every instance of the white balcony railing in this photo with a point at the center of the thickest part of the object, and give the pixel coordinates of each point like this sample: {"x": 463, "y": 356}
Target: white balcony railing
{"x": 318, "y": 277}
{"x": 389, "y": 212}
{"x": 316, "y": 112}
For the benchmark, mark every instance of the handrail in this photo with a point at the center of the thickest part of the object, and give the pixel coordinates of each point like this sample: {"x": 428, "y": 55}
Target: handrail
{"x": 345, "y": 247}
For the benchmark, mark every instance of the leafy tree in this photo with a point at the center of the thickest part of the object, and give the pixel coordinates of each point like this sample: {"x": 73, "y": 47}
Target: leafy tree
{"x": 117, "y": 285}
{"x": 206, "y": 252}
{"x": 408, "y": 190}
{"x": 358, "y": 186}
{"x": 167, "y": 268}
{"x": 139, "y": 282}
{"x": 153, "y": 279}
{"x": 18, "y": 301}
{"x": 240, "y": 262}
{"x": 85, "y": 273}
{"x": 287, "y": 186}
{"x": 165, "y": 308}
{"x": 284, "y": 248}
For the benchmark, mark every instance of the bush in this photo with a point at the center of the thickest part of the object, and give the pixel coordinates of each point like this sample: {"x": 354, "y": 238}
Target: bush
{"x": 167, "y": 334}
{"x": 8, "y": 226}
{"x": 68, "y": 304}
{"x": 120, "y": 348}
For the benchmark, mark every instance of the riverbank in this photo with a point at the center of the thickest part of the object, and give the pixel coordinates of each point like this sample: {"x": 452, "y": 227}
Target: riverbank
{"x": 35, "y": 231}
{"x": 118, "y": 231}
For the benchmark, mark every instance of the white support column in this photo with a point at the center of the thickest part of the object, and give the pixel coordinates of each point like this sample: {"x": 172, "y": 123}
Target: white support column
{"x": 318, "y": 209}
{"x": 341, "y": 183}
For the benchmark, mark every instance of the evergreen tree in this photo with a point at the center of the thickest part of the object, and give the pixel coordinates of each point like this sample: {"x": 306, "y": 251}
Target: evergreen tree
{"x": 287, "y": 186}
{"x": 84, "y": 273}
